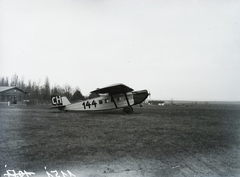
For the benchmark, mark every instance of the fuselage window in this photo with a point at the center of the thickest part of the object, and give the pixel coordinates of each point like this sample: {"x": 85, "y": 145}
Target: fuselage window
{"x": 100, "y": 101}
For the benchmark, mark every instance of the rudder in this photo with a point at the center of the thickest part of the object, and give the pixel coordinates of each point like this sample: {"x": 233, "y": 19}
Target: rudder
{"x": 59, "y": 101}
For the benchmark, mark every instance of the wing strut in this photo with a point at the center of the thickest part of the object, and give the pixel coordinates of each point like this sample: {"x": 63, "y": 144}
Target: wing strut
{"x": 124, "y": 91}
{"x": 113, "y": 99}
{"x": 129, "y": 109}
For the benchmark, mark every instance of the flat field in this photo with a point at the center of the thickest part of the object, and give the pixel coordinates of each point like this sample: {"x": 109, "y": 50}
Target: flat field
{"x": 153, "y": 141}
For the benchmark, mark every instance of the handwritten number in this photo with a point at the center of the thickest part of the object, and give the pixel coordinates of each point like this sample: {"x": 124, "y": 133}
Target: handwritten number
{"x": 12, "y": 173}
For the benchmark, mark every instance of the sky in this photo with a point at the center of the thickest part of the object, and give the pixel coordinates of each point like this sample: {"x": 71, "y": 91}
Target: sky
{"x": 180, "y": 50}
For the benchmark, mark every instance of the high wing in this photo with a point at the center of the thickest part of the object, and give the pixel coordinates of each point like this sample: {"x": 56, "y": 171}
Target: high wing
{"x": 113, "y": 89}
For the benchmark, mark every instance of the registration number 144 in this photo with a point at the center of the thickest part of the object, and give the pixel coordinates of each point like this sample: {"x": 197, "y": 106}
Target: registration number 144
{"x": 88, "y": 104}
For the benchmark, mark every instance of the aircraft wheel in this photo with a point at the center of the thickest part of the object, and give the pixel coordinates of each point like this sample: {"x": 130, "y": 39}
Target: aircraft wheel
{"x": 128, "y": 110}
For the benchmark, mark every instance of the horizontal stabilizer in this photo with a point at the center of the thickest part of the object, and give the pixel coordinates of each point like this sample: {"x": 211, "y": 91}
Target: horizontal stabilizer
{"x": 58, "y": 107}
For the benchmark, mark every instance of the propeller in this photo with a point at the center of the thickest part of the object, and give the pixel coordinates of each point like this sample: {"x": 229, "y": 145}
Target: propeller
{"x": 149, "y": 94}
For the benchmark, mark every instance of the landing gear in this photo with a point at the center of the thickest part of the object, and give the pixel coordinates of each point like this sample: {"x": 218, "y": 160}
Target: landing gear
{"x": 128, "y": 110}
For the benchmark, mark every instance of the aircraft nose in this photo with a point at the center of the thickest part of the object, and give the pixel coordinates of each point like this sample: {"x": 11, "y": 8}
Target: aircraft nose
{"x": 140, "y": 96}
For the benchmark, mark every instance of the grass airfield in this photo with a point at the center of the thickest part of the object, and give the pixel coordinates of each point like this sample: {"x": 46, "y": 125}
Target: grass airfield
{"x": 153, "y": 141}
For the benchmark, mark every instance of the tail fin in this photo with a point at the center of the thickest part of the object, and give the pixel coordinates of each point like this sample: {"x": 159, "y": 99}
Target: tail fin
{"x": 59, "y": 101}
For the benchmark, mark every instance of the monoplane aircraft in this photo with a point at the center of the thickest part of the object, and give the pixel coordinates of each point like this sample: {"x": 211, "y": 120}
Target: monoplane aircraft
{"x": 112, "y": 97}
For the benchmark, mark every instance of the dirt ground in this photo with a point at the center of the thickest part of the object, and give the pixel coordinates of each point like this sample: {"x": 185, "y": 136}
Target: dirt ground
{"x": 153, "y": 141}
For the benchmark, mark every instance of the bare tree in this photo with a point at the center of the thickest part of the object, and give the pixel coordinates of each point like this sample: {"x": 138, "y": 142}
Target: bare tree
{"x": 29, "y": 89}
{"x": 14, "y": 80}
{"x": 6, "y": 82}
{"x": 57, "y": 90}
{"x": 21, "y": 84}
{"x": 2, "y": 81}
{"x": 36, "y": 91}
{"x": 68, "y": 91}
{"x": 46, "y": 90}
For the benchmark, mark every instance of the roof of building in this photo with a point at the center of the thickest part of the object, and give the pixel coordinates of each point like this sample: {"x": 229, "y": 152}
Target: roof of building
{"x": 6, "y": 88}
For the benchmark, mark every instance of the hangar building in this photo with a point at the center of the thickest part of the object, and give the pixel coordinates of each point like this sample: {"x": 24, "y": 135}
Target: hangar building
{"x": 12, "y": 94}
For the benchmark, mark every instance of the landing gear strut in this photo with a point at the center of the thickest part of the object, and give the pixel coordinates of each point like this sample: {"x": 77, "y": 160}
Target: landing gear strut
{"x": 128, "y": 110}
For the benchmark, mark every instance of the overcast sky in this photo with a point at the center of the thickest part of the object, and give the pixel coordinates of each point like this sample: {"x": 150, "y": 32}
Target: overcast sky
{"x": 181, "y": 50}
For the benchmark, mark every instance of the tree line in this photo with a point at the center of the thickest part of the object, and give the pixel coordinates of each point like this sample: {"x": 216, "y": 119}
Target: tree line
{"x": 36, "y": 90}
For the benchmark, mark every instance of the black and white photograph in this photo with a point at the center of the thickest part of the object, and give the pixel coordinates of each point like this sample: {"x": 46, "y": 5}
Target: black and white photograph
{"x": 119, "y": 88}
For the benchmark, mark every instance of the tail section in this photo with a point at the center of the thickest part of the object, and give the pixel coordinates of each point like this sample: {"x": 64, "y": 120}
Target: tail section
{"x": 58, "y": 101}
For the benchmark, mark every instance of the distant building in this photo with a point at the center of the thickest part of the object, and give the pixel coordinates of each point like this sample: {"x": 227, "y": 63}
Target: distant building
{"x": 162, "y": 103}
{"x": 12, "y": 94}
{"x": 156, "y": 102}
